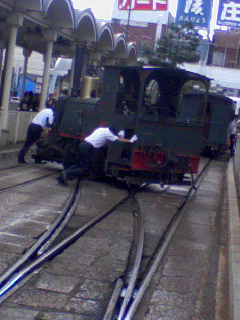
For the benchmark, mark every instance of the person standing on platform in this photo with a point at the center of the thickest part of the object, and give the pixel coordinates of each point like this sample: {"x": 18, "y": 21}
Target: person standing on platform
{"x": 233, "y": 134}
{"x": 42, "y": 120}
{"x": 83, "y": 163}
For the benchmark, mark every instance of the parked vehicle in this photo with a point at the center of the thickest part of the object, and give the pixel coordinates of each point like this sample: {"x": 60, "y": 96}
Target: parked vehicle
{"x": 13, "y": 103}
{"x": 14, "y": 99}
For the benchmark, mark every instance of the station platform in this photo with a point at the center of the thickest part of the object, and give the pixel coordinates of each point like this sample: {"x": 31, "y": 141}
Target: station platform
{"x": 233, "y": 223}
{"x": 10, "y": 150}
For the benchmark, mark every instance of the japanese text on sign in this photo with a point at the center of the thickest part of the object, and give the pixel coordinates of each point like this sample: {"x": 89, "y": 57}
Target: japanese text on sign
{"x": 194, "y": 11}
{"x": 194, "y": 6}
{"x": 144, "y": 5}
{"x": 229, "y": 13}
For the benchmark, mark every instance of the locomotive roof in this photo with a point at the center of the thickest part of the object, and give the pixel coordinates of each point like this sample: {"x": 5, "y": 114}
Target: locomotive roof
{"x": 212, "y": 94}
{"x": 165, "y": 69}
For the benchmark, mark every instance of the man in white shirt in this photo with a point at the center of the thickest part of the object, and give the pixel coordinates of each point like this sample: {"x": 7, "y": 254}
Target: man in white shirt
{"x": 233, "y": 134}
{"x": 83, "y": 164}
{"x": 43, "y": 119}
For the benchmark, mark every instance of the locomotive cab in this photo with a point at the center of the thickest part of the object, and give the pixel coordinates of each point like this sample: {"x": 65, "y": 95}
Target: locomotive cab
{"x": 218, "y": 114}
{"x": 147, "y": 102}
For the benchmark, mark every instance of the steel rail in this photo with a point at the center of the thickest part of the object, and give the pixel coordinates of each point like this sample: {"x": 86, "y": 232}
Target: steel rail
{"x": 168, "y": 236}
{"x": 13, "y": 167}
{"x": 137, "y": 261}
{"x": 51, "y": 253}
{"x": 114, "y": 299}
{"x": 26, "y": 182}
{"x": 73, "y": 198}
{"x": 69, "y": 213}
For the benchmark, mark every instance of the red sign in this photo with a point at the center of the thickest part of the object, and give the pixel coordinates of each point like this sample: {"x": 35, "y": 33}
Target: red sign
{"x": 143, "y": 5}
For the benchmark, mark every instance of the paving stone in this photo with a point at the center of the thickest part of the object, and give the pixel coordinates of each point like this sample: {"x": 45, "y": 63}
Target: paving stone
{"x": 188, "y": 245}
{"x": 84, "y": 306}
{"x": 186, "y": 264}
{"x": 62, "y": 316}
{"x": 39, "y": 298}
{"x": 3, "y": 266}
{"x": 182, "y": 285}
{"x": 174, "y": 299}
{"x": 194, "y": 232}
{"x": 62, "y": 266}
{"x": 163, "y": 312}
{"x": 57, "y": 283}
{"x": 92, "y": 289}
{"x": 26, "y": 228}
{"x": 6, "y": 238}
{"x": 17, "y": 314}
{"x": 11, "y": 248}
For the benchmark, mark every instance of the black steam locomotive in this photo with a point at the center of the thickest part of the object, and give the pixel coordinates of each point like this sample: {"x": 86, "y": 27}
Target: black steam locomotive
{"x": 147, "y": 101}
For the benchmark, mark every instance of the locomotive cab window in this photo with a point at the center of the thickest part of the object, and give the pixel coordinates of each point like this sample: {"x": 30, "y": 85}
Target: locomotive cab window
{"x": 150, "y": 101}
{"x": 158, "y": 101}
{"x": 192, "y": 102}
{"x": 128, "y": 92}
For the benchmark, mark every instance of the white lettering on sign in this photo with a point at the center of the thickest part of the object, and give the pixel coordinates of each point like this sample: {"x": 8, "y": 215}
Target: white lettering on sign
{"x": 143, "y": 1}
{"x": 231, "y": 11}
{"x": 155, "y": 2}
{"x": 194, "y": 6}
{"x": 123, "y": 4}
{"x": 142, "y": 4}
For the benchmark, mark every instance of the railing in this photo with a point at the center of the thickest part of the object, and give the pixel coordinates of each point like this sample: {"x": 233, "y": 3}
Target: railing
{"x": 18, "y": 122}
{"x": 237, "y": 162}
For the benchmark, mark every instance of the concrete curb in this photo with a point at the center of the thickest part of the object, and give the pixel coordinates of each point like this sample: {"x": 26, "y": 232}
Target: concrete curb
{"x": 234, "y": 245}
{"x": 12, "y": 151}
{"x": 8, "y": 153}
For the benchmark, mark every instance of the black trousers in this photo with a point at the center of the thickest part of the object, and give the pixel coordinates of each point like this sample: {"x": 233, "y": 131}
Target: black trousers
{"x": 232, "y": 143}
{"x": 83, "y": 162}
{"x": 33, "y": 134}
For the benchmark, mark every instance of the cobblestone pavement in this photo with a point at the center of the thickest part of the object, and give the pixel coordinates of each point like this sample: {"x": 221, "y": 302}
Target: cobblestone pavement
{"x": 199, "y": 279}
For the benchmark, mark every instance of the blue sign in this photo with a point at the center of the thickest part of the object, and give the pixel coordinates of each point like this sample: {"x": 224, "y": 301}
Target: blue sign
{"x": 198, "y": 12}
{"x": 229, "y": 13}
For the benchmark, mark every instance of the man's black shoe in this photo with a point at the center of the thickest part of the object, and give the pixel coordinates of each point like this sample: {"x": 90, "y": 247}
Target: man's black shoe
{"x": 40, "y": 162}
{"x": 62, "y": 179}
{"x": 22, "y": 162}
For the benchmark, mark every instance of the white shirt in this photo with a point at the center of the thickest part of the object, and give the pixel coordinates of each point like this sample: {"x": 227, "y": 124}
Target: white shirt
{"x": 100, "y": 136}
{"x": 42, "y": 116}
{"x": 233, "y": 127}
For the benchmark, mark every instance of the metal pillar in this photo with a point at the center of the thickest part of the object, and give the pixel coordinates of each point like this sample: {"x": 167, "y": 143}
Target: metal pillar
{"x": 2, "y": 47}
{"x": 8, "y": 77}
{"x": 50, "y": 36}
{"x": 14, "y": 20}
{"x": 71, "y": 75}
{"x": 78, "y": 66}
{"x": 27, "y": 54}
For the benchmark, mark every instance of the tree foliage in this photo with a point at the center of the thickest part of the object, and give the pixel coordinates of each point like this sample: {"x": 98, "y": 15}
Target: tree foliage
{"x": 176, "y": 46}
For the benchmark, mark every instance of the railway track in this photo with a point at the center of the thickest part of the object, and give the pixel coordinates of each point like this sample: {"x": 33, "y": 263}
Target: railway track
{"x": 40, "y": 253}
{"x": 131, "y": 286}
{"x": 127, "y": 295}
{"x": 11, "y": 276}
{"x": 16, "y": 176}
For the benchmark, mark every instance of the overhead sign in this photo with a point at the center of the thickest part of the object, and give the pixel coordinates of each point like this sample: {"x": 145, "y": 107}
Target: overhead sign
{"x": 229, "y": 13}
{"x": 198, "y": 12}
{"x": 143, "y": 5}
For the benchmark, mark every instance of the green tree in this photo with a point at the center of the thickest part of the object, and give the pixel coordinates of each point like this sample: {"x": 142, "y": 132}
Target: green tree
{"x": 176, "y": 46}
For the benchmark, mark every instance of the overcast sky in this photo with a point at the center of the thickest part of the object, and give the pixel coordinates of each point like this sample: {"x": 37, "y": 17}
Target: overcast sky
{"x": 102, "y": 9}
